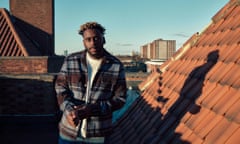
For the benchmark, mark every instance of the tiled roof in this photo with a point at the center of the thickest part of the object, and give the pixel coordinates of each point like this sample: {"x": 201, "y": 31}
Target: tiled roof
{"x": 14, "y": 42}
{"x": 196, "y": 96}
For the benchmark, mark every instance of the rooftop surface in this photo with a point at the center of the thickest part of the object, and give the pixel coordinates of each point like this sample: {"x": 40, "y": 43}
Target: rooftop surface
{"x": 195, "y": 96}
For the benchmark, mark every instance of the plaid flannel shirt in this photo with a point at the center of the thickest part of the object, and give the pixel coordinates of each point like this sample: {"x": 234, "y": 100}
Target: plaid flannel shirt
{"x": 107, "y": 94}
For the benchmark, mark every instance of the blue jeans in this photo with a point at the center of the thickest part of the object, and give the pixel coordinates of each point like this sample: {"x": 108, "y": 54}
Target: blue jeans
{"x": 63, "y": 141}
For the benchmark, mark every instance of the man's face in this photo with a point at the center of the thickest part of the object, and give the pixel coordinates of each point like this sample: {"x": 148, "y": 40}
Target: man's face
{"x": 93, "y": 41}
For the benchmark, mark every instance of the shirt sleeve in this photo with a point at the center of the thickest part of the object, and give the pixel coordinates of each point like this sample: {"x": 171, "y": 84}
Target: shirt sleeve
{"x": 64, "y": 94}
{"x": 120, "y": 91}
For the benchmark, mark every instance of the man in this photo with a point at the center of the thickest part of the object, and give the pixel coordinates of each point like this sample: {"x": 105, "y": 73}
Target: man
{"x": 90, "y": 86}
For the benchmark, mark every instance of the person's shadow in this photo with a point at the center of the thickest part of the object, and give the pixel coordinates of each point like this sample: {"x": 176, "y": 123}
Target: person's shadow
{"x": 192, "y": 87}
{"x": 190, "y": 91}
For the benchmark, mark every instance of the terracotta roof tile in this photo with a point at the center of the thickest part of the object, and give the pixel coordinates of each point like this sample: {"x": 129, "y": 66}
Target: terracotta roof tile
{"x": 211, "y": 72}
{"x": 233, "y": 112}
{"x": 185, "y": 137}
{"x": 218, "y": 92}
{"x": 236, "y": 84}
{"x": 232, "y": 76}
{"x": 224, "y": 51}
{"x": 234, "y": 139}
{"x": 193, "y": 138}
{"x": 225, "y": 11}
{"x": 196, "y": 97}
{"x": 235, "y": 9}
{"x": 214, "y": 27}
{"x": 195, "y": 119}
{"x": 209, "y": 125}
{"x": 227, "y": 101}
{"x": 220, "y": 70}
{"x": 221, "y": 132}
{"x": 235, "y": 39}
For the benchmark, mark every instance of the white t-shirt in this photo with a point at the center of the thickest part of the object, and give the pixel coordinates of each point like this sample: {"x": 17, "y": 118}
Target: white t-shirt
{"x": 92, "y": 66}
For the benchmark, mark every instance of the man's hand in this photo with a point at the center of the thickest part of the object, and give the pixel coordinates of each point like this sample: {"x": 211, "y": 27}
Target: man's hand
{"x": 82, "y": 111}
{"x": 72, "y": 118}
{"x": 77, "y": 113}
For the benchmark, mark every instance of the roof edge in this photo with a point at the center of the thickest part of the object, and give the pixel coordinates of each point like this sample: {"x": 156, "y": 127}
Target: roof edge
{"x": 16, "y": 36}
{"x": 189, "y": 43}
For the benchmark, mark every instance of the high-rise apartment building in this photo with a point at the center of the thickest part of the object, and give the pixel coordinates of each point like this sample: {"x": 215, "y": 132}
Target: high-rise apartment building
{"x": 158, "y": 49}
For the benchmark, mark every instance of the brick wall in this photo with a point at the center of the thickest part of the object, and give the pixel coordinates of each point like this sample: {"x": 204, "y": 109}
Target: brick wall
{"x": 30, "y": 65}
{"x": 39, "y": 13}
{"x": 27, "y": 94}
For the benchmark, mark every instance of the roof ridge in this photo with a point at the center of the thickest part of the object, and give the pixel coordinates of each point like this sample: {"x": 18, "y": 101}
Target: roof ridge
{"x": 223, "y": 13}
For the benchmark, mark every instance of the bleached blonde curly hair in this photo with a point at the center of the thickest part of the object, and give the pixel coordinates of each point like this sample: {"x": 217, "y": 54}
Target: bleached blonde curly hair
{"x": 91, "y": 25}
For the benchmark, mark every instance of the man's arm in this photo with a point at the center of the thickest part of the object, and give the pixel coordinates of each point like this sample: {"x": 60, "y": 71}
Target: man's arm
{"x": 65, "y": 96}
{"x": 120, "y": 91}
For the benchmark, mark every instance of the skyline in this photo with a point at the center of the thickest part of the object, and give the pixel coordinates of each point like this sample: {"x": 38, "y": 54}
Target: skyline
{"x": 130, "y": 24}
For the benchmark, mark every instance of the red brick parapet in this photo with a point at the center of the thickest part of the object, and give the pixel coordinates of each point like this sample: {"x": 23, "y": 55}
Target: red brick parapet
{"x": 30, "y": 65}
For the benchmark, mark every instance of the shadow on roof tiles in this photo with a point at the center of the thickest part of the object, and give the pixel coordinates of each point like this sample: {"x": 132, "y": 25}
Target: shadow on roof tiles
{"x": 155, "y": 118}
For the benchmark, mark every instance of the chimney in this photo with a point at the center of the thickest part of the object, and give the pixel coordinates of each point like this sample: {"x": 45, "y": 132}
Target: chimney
{"x": 36, "y": 19}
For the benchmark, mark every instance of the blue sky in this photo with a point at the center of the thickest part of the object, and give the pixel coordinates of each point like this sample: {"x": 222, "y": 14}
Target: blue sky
{"x": 131, "y": 23}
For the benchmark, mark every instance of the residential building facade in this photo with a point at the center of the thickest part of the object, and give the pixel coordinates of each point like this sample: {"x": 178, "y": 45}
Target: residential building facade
{"x": 158, "y": 49}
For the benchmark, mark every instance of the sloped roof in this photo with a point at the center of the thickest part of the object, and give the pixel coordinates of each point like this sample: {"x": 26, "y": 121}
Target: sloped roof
{"x": 196, "y": 96}
{"x": 13, "y": 41}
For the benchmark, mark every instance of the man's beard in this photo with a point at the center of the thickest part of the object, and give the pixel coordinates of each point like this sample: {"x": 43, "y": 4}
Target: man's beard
{"x": 98, "y": 53}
